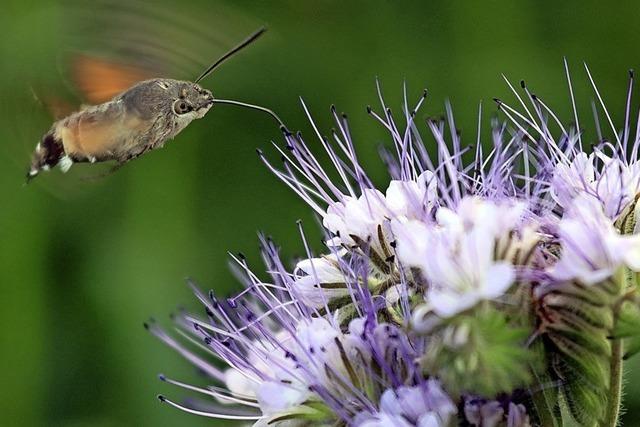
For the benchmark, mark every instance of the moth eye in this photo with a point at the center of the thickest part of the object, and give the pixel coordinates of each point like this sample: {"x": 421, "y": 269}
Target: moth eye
{"x": 181, "y": 107}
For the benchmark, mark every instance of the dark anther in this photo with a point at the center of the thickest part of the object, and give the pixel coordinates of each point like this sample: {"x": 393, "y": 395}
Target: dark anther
{"x": 522, "y": 85}
{"x": 289, "y": 355}
{"x": 369, "y": 109}
{"x": 161, "y": 398}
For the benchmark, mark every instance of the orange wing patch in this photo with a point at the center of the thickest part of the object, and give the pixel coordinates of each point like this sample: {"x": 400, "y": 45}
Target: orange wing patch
{"x": 99, "y": 80}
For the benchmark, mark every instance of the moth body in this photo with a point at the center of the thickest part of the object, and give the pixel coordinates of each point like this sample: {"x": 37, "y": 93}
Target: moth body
{"x": 138, "y": 120}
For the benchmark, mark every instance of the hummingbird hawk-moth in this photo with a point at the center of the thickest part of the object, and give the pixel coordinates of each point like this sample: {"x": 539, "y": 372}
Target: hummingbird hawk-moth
{"x": 140, "y": 119}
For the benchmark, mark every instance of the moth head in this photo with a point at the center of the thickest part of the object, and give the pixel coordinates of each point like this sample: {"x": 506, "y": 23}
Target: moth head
{"x": 189, "y": 99}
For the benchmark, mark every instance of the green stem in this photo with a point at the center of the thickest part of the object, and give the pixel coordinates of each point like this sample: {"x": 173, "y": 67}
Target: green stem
{"x": 615, "y": 365}
{"x": 615, "y": 384}
{"x": 627, "y": 288}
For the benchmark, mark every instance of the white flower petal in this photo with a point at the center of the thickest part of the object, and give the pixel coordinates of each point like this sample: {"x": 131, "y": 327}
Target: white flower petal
{"x": 275, "y": 397}
{"x": 499, "y": 278}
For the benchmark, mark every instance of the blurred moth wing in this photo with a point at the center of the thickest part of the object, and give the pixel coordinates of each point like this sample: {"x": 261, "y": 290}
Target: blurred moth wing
{"x": 99, "y": 80}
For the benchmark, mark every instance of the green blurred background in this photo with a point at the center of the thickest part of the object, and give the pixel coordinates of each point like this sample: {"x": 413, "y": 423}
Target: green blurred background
{"x": 83, "y": 264}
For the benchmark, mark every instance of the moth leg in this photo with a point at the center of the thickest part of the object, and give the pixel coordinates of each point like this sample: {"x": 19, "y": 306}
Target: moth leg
{"x": 65, "y": 163}
{"x": 68, "y": 160}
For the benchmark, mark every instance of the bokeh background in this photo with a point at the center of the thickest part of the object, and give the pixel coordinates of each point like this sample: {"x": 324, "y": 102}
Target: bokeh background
{"x": 84, "y": 263}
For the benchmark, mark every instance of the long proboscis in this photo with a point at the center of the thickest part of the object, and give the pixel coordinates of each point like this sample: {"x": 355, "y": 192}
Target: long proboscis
{"x": 253, "y": 107}
{"x": 232, "y": 52}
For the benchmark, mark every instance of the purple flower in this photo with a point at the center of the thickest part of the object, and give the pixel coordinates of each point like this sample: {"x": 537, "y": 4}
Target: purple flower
{"x": 607, "y": 179}
{"x": 457, "y": 253}
{"x": 426, "y": 405}
{"x": 288, "y": 361}
{"x": 328, "y": 341}
{"x": 593, "y": 250}
{"x": 492, "y": 414}
{"x": 456, "y": 293}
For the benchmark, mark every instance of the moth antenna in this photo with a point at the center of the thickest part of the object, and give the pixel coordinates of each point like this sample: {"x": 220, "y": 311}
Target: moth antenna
{"x": 233, "y": 51}
{"x": 252, "y": 106}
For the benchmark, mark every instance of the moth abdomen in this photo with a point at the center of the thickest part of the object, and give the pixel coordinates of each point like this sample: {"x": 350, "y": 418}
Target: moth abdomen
{"x": 48, "y": 154}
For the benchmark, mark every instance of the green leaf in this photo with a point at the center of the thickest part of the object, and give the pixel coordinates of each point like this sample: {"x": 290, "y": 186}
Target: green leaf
{"x": 580, "y": 310}
{"x": 480, "y": 353}
{"x": 628, "y": 328}
{"x": 628, "y": 324}
{"x": 576, "y": 329}
{"x": 578, "y": 341}
{"x": 588, "y": 368}
{"x": 585, "y": 404}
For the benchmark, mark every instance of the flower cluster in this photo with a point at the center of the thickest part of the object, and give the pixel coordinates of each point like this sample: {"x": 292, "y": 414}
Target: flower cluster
{"x": 481, "y": 287}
